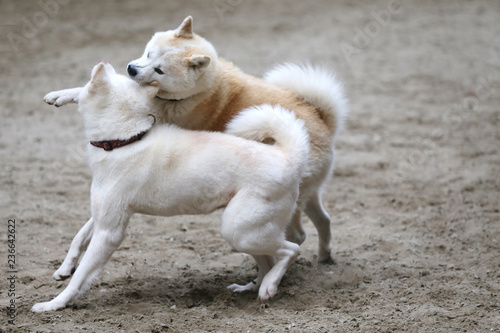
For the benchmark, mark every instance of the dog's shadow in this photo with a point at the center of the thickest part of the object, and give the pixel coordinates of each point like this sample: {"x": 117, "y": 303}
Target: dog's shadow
{"x": 187, "y": 290}
{"x": 193, "y": 288}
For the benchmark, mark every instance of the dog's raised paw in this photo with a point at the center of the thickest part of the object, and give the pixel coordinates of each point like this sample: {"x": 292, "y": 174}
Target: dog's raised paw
{"x": 51, "y": 97}
{"x": 62, "y": 97}
{"x": 57, "y": 99}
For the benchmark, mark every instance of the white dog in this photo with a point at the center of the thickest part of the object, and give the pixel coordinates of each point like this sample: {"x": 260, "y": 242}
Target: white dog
{"x": 164, "y": 170}
{"x": 200, "y": 91}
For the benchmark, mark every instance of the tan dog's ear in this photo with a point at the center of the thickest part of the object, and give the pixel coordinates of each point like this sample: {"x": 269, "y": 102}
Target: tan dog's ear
{"x": 185, "y": 30}
{"x": 152, "y": 89}
{"x": 198, "y": 62}
{"x": 99, "y": 78}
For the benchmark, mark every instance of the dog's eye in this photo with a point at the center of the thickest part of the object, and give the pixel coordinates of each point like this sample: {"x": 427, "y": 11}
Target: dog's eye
{"x": 159, "y": 71}
{"x": 149, "y": 54}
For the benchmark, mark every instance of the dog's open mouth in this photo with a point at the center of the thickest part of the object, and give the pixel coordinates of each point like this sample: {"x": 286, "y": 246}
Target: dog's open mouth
{"x": 169, "y": 99}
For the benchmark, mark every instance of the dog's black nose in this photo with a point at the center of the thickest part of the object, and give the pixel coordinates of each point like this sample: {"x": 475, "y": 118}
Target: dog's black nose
{"x": 132, "y": 70}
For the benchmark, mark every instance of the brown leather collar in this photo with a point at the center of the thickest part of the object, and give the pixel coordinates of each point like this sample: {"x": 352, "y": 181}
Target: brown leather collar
{"x": 109, "y": 145}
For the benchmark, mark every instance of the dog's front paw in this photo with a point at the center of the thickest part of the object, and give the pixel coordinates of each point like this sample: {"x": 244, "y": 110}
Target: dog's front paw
{"x": 47, "y": 306}
{"x": 62, "y": 97}
{"x": 57, "y": 99}
{"x": 238, "y": 288}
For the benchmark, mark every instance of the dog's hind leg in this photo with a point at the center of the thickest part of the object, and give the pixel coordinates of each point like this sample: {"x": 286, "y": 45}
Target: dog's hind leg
{"x": 105, "y": 240}
{"x": 264, "y": 263}
{"x": 63, "y": 97}
{"x": 78, "y": 245}
{"x": 295, "y": 231}
{"x": 315, "y": 211}
{"x": 284, "y": 258}
{"x": 257, "y": 227}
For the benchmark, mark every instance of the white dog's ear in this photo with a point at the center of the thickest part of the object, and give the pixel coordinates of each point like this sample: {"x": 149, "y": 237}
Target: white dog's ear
{"x": 99, "y": 80}
{"x": 198, "y": 62}
{"x": 152, "y": 89}
{"x": 185, "y": 30}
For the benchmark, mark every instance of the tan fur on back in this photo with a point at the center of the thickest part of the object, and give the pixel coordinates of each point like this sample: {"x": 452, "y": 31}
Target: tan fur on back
{"x": 236, "y": 90}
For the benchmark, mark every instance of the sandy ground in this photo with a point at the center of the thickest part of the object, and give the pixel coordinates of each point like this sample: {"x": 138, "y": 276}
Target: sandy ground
{"x": 414, "y": 199}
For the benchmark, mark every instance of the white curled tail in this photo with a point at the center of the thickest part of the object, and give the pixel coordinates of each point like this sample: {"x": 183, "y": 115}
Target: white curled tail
{"x": 264, "y": 122}
{"x": 315, "y": 85}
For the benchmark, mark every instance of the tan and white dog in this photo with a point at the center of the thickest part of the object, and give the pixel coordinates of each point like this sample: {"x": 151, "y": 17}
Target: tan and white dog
{"x": 165, "y": 170}
{"x": 200, "y": 91}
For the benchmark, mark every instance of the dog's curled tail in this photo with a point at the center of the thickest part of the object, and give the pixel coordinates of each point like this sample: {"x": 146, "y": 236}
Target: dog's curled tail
{"x": 315, "y": 85}
{"x": 276, "y": 125}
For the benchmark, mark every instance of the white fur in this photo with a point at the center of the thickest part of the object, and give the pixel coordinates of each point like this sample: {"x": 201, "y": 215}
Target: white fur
{"x": 265, "y": 121}
{"x": 174, "y": 171}
{"x": 316, "y": 85}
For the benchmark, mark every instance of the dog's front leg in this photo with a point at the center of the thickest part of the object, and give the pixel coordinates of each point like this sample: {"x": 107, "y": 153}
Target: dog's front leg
{"x": 63, "y": 97}
{"x": 78, "y": 245}
{"x": 105, "y": 240}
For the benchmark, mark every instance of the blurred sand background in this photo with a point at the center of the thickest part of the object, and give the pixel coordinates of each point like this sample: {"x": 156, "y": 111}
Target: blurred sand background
{"x": 414, "y": 201}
